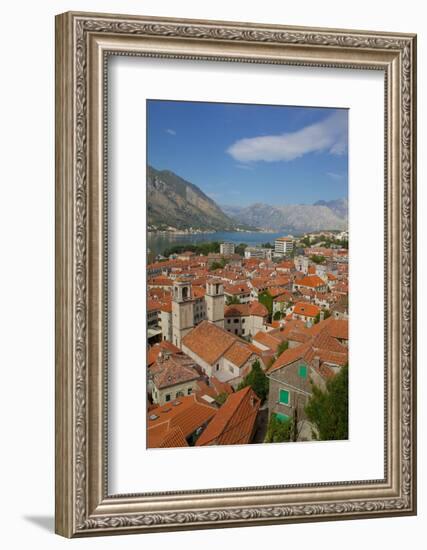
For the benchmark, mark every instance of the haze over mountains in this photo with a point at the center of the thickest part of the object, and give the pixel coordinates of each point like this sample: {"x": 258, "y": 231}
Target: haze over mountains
{"x": 294, "y": 217}
{"x": 175, "y": 202}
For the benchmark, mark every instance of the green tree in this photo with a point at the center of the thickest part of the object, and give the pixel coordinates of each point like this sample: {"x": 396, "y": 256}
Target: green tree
{"x": 257, "y": 380}
{"x": 266, "y": 299}
{"x": 328, "y": 409}
{"x": 218, "y": 265}
{"x": 283, "y": 346}
{"x": 317, "y": 259}
{"x": 278, "y": 431}
{"x": 278, "y": 315}
{"x": 240, "y": 249}
{"x": 221, "y": 398}
{"x": 233, "y": 300}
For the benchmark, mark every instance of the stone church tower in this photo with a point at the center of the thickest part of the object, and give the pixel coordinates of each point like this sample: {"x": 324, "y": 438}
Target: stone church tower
{"x": 215, "y": 302}
{"x": 182, "y": 311}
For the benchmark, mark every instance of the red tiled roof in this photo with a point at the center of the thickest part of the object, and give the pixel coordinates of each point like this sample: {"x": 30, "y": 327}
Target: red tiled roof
{"x": 175, "y": 369}
{"x": 267, "y": 339}
{"x": 244, "y": 310}
{"x": 237, "y": 289}
{"x": 257, "y": 309}
{"x": 234, "y": 422}
{"x": 154, "y": 351}
{"x": 215, "y": 387}
{"x": 174, "y": 438}
{"x": 160, "y": 281}
{"x": 289, "y": 356}
{"x": 321, "y": 344}
{"x": 186, "y": 413}
{"x": 208, "y": 341}
{"x": 238, "y": 354}
{"x": 308, "y": 310}
{"x": 312, "y": 281}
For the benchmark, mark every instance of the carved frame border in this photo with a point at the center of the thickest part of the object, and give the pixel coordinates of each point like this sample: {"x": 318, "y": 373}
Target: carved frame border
{"x": 83, "y": 43}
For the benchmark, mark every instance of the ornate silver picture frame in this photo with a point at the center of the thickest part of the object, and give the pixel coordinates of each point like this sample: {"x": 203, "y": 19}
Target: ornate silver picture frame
{"x": 84, "y": 42}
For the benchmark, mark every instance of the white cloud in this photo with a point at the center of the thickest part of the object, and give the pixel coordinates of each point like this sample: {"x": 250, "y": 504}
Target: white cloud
{"x": 328, "y": 135}
{"x": 335, "y": 175}
{"x": 171, "y": 132}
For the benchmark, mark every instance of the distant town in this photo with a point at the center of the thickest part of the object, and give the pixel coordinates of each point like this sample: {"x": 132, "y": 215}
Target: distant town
{"x": 248, "y": 344}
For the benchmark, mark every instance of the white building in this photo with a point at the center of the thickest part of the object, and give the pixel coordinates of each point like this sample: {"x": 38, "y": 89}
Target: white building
{"x": 227, "y": 249}
{"x": 284, "y": 245}
{"x": 258, "y": 252}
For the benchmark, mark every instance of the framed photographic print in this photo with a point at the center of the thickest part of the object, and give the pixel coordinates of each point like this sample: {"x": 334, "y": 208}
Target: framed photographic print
{"x": 235, "y": 274}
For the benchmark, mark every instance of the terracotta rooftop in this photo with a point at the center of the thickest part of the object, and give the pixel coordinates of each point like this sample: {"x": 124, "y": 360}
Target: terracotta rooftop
{"x": 154, "y": 351}
{"x": 186, "y": 413}
{"x": 173, "y": 370}
{"x": 312, "y": 281}
{"x": 289, "y": 356}
{"x": 244, "y": 310}
{"x": 306, "y": 309}
{"x": 267, "y": 339}
{"x": 238, "y": 353}
{"x": 174, "y": 438}
{"x": 208, "y": 341}
{"x": 321, "y": 344}
{"x": 234, "y": 422}
{"x": 237, "y": 289}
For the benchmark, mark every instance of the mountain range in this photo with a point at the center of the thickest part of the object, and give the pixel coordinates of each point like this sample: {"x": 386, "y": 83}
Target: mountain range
{"x": 175, "y": 202}
{"x": 293, "y": 217}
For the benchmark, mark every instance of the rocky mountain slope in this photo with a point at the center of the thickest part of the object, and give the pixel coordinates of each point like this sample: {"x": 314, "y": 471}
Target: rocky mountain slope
{"x": 175, "y": 202}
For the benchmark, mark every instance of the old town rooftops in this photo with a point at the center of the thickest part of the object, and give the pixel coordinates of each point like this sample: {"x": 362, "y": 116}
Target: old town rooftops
{"x": 186, "y": 413}
{"x": 210, "y": 342}
{"x": 234, "y": 422}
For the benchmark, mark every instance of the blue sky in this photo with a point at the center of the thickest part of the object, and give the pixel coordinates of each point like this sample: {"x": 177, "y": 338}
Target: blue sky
{"x": 240, "y": 154}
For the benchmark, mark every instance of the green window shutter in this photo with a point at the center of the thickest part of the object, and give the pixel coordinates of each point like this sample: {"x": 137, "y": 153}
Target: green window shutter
{"x": 282, "y": 417}
{"x": 284, "y": 397}
{"x": 302, "y": 371}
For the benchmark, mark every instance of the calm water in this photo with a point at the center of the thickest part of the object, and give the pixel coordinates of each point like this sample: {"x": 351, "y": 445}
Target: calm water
{"x": 159, "y": 242}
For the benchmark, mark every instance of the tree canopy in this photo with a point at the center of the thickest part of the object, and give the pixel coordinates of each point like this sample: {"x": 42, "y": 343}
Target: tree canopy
{"x": 283, "y": 346}
{"x": 257, "y": 380}
{"x": 278, "y": 431}
{"x": 266, "y": 299}
{"x": 233, "y": 300}
{"x": 328, "y": 409}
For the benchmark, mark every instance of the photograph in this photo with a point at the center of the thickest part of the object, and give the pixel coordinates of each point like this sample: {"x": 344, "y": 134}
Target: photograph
{"x": 247, "y": 274}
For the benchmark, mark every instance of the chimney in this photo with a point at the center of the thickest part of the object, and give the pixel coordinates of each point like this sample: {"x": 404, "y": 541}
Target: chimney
{"x": 322, "y": 315}
{"x": 316, "y": 362}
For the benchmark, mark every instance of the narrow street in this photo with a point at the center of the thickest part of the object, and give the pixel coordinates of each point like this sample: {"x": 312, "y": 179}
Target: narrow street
{"x": 261, "y": 426}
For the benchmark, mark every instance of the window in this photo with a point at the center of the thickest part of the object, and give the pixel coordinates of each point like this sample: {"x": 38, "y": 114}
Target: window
{"x": 236, "y": 331}
{"x": 281, "y": 417}
{"x": 231, "y": 369}
{"x": 284, "y": 397}
{"x": 236, "y": 320}
{"x": 243, "y": 320}
{"x": 302, "y": 371}
{"x": 189, "y": 391}
{"x": 217, "y": 366}
{"x": 167, "y": 397}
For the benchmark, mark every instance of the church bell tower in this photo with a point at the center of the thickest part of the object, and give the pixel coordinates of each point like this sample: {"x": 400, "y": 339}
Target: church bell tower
{"x": 182, "y": 310}
{"x": 215, "y": 302}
